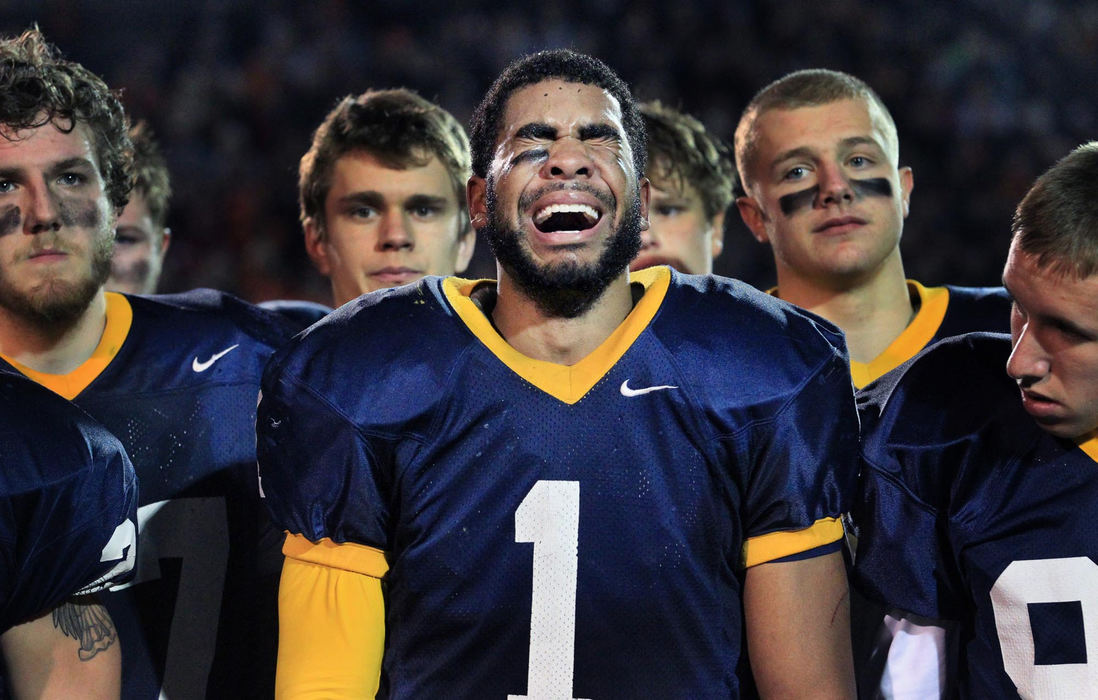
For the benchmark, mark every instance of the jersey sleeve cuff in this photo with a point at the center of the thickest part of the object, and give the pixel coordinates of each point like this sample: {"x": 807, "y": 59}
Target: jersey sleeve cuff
{"x": 776, "y": 545}
{"x": 348, "y": 556}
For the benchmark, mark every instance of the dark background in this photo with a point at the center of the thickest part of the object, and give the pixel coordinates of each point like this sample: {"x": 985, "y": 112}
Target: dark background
{"x": 986, "y": 94}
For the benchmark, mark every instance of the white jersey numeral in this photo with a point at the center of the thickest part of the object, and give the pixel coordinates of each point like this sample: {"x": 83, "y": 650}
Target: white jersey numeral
{"x": 121, "y": 547}
{"x": 549, "y": 517}
{"x": 1073, "y": 579}
{"x": 194, "y": 530}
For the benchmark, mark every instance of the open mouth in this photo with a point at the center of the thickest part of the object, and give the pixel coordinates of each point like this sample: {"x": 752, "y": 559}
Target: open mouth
{"x": 566, "y": 217}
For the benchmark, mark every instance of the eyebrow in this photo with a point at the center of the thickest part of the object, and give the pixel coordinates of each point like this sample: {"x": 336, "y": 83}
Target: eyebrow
{"x": 425, "y": 200}
{"x": 70, "y": 163}
{"x": 536, "y": 131}
{"x": 368, "y": 197}
{"x": 588, "y": 132}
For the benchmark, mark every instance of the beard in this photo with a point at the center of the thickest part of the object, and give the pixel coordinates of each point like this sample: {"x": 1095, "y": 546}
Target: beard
{"x": 567, "y": 289}
{"x": 60, "y": 301}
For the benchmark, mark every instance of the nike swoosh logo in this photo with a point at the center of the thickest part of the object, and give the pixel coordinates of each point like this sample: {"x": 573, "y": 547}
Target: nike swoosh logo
{"x": 626, "y": 391}
{"x": 199, "y": 366}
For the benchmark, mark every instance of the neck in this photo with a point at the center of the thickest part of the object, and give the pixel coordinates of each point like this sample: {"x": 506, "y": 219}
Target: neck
{"x": 872, "y": 312}
{"x": 563, "y": 341}
{"x": 54, "y": 348}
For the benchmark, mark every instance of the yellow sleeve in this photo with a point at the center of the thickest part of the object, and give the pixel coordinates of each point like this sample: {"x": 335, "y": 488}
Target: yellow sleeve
{"x": 331, "y": 632}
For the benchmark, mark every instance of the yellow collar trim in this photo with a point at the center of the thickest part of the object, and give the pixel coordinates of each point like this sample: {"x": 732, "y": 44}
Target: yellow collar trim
{"x": 119, "y": 320}
{"x": 1090, "y": 447}
{"x": 565, "y": 383}
{"x": 932, "y": 310}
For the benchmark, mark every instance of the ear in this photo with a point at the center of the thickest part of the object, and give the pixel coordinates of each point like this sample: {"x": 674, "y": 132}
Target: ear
{"x": 645, "y": 191}
{"x": 316, "y": 247}
{"x": 467, "y": 242}
{"x": 165, "y": 241}
{"x": 717, "y": 243}
{"x": 753, "y": 217}
{"x": 476, "y": 192}
{"x": 907, "y": 184}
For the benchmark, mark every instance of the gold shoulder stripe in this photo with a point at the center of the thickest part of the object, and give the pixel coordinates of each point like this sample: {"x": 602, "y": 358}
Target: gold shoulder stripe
{"x": 565, "y": 383}
{"x": 775, "y": 545}
{"x": 348, "y": 556}
{"x": 119, "y": 320}
{"x": 934, "y": 301}
{"x": 1090, "y": 447}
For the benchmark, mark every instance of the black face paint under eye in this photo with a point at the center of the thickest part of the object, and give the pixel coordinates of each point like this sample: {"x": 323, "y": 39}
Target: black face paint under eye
{"x": 10, "y": 218}
{"x": 78, "y": 212}
{"x": 534, "y": 154}
{"x": 798, "y": 200}
{"x": 871, "y": 187}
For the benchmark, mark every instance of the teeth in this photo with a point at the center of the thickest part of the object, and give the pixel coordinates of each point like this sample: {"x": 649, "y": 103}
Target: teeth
{"x": 588, "y": 211}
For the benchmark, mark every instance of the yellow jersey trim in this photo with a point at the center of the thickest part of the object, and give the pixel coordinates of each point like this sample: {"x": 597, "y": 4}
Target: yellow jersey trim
{"x": 775, "y": 545}
{"x": 349, "y": 556}
{"x": 119, "y": 320}
{"x": 1090, "y": 447}
{"x": 932, "y": 310}
{"x": 566, "y": 383}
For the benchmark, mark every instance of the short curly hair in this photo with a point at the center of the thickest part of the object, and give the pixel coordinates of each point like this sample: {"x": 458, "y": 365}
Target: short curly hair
{"x": 38, "y": 87}
{"x": 680, "y": 149}
{"x": 151, "y": 178}
{"x": 399, "y": 128}
{"x": 563, "y": 64}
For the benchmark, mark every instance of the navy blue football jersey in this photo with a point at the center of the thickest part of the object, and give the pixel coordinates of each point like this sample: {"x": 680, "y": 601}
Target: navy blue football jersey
{"x": 68, "y": 500}
{"x": 976, "y": 518}
{"x": 580, "y": 531}
{"x": 943, "y": 312}
{"x": 176, "y": 379}
{"x": 297, "y": 311}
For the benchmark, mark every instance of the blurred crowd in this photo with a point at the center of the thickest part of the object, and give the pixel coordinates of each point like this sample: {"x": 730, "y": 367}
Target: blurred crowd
{"x": 986, "y": 95}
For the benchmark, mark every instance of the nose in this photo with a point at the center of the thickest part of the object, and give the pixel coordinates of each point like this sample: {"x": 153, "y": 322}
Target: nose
{"x": 1028, "y": 363}
{"x": 834, "y": 185}
{"x": 568, "y": 159}
{"x": 394, "y": 232}
{"x": 43, "y": 214}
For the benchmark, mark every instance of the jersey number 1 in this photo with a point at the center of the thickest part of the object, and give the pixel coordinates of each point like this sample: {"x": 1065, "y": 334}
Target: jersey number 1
{"x": 549, "y": 517}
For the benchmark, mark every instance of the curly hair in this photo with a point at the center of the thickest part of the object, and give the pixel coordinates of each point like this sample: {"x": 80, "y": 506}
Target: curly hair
{"x": 38, "y": 87}
{"x": 563, "y": 64}
{"x": 151, "y": 178}
{"x": 680, "y": 149}
{"x": 398, "y": 127}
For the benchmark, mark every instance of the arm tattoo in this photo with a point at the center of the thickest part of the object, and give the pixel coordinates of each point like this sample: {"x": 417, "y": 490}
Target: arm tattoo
{"x": 87, "y": 622}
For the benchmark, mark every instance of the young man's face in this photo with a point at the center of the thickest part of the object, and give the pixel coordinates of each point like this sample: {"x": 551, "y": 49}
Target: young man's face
{"x": 1054, "y": 329}
{"x": 562, "y": 197}
{"x": 139, "y": 249}
{"x": 826, "y": 192}
{"x": 385, "y": 227}
{"x": 679, "y": 233}
{"x": 56, "y": 224}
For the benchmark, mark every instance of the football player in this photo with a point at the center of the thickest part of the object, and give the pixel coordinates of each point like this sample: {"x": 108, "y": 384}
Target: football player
{"x": 691, "y": 173}
{"x": 68, "y": 499}
{"x": 818, "y": 156}
{"x": 573, "y": 482}
{"x": 142, "y": 236}
{"x": 382, "y": 193}
{"x": 174, "y": 378}
{"x": 981, "y": 486}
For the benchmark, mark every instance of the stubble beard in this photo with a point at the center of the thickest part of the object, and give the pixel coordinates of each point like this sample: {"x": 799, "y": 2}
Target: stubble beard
{"x": 57, "y": 303}
{"x": 567, "y": 289}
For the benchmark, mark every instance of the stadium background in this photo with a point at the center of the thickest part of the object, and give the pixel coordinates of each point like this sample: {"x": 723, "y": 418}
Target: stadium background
{"x": 986, "y": 95}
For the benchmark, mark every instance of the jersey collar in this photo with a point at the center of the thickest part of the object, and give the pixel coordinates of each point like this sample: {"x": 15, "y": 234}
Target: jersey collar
{"x": 119, "y": 320}
{"x": 566, "y": 383}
